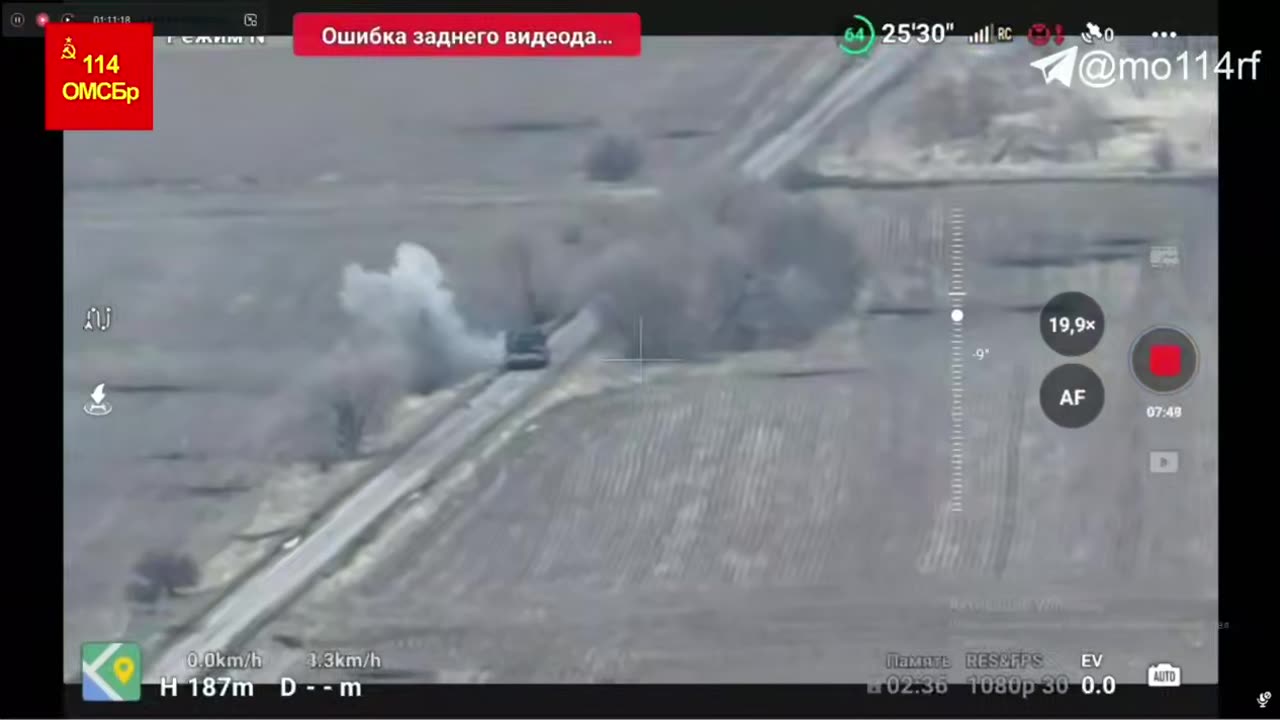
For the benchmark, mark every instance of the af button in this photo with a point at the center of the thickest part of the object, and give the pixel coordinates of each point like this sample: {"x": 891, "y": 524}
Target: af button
{"x": 1072, "y": 395}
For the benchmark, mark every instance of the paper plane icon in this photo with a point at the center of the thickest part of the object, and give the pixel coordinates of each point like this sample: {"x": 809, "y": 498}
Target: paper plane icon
{"x": 1060, "y": 66}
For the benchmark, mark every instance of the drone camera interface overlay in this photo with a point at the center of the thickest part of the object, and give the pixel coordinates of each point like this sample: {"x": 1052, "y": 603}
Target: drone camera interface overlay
{"x": 572, "y": 350}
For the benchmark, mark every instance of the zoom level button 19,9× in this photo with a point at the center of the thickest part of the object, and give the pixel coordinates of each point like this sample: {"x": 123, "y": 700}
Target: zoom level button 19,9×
{"x": 1072, "y": 324}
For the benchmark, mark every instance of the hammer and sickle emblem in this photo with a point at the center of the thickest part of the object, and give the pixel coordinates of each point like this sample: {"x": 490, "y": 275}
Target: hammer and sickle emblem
{"x": 68, "y": 51}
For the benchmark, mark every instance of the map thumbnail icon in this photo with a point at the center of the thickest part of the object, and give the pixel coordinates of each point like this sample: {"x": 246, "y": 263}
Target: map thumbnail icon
{"x": 111, "y": 672}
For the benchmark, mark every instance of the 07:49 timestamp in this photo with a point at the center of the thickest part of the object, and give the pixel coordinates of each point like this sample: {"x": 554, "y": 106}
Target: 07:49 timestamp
{"x": 1164, "y": 412}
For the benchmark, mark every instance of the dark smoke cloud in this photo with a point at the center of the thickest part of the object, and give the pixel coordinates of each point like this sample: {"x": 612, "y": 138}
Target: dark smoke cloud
{"x": 720, "y": 269}
{"x": 713, "y": 267}
{"x": 710, "y": 269}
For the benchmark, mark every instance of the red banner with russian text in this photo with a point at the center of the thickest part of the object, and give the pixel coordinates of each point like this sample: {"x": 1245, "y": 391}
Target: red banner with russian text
{"x": 467, "y": 35}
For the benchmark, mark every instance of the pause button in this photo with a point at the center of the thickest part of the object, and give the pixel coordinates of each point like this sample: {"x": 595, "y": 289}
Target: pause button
{"x": 1072, "y": 395}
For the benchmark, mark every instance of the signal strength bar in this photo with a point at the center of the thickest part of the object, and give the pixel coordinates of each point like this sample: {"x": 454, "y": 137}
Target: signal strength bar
{"x": 984, "y": 36}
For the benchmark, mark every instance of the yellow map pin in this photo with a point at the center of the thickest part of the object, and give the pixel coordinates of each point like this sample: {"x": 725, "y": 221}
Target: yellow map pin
{"x": 124, "y": 669}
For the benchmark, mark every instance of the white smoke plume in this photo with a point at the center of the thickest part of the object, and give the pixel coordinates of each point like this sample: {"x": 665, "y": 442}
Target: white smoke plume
{"x": 720, "y": 269}
{"x": 412, "y": 304}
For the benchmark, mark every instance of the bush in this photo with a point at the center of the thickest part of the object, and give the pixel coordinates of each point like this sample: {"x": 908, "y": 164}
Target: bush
{"x": 527, "y": 281}
{"x": 572, "y": 235}
{"x": 613, "y": 159}
{"x": 164, "y": 572}
{"x": 143, "y": 593}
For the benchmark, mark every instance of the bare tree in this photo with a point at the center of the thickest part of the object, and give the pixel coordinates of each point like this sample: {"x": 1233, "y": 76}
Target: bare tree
{"x": 957, "y": 104}
{"x": 1162, "y": 154}
{"x": 535, "y": 306}
{"x": 727, "y": 267}
{"x": 362, "y": 387}
{"x": 349, "y": 422}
